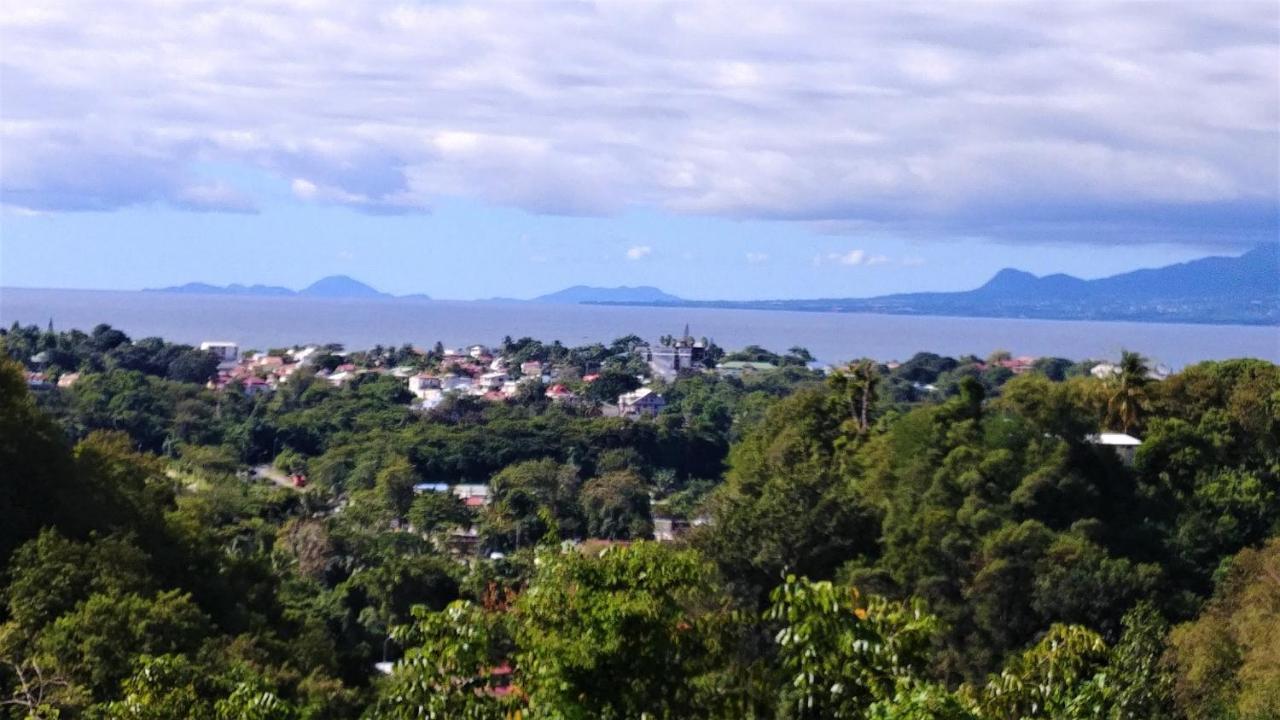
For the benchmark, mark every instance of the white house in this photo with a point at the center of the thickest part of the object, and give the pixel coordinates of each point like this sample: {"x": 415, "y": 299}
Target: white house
{"x": 421, "y": 383}
{"x": 1125, "y": 446}
{"x": 1104, "y": 370}
{"x": 640, "y": 402}
{"x": 492, "y": 380}
{"x": 454, "y": 382}
{"x": 228, "y": 352}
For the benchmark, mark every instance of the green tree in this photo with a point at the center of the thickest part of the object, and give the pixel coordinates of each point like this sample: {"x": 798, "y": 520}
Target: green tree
{"x": 616, "y": 506}
{"x": 1227, "y": 661}
{"x": 1127, "y": 396}
{"x": 446, "y": 669}
{"x": 838, "y": 653}
{"x": 625, "y": 634}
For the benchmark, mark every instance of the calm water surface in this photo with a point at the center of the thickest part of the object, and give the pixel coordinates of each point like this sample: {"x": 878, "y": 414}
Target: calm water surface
{"x": 256, "y": 322}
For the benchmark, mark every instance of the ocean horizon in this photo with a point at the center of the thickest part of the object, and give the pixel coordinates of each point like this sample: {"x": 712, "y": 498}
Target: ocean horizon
{"x": 263, "y": 322}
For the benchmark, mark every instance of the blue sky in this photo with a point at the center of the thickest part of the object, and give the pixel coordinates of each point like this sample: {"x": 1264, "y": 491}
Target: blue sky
{"x": 715, "y": 150}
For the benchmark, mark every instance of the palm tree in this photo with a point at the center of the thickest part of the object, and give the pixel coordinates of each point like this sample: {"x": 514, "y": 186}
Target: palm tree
{"x": 1128, "y": 395}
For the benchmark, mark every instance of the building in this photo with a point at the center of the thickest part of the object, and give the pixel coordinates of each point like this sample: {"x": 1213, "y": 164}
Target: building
{"x": 1125, "y": 446}
{"x": 669, "y": 529}
{"x": 559, "y": 393}
{"x": 738, "y": 368}
{"x": 682, "y": 354}
{"x": 228, "y": 352}
{"x": 1018, "y": 365}
{"x": 474, "y": 495}
{"x": 640, "y": 402}
{"x": 421, "y": 384}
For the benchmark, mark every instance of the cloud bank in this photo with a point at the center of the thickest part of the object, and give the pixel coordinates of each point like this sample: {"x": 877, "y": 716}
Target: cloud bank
{"x": 1106, "y": 122}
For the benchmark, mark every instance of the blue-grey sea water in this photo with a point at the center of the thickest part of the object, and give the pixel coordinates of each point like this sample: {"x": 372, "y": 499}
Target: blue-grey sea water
{"x": 261, "y": 322}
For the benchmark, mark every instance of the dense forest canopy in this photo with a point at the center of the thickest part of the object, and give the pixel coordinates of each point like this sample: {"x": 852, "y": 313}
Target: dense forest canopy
{"x": 940, "y": 538}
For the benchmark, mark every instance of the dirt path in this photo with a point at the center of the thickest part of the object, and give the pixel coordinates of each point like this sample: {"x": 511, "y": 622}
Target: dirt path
{"x": 276, "y": 476}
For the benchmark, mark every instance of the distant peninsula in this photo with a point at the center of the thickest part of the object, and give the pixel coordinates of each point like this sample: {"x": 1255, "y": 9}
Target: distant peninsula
{"x": 1243, "y": 290}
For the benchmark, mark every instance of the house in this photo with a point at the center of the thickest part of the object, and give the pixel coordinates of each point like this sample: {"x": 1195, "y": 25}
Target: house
{"x": 1104, "y": 370}
{"x": 305, "y": 355}
{"x": 640, "y": 402}
{"x": 492, "y": 380}
{"x": 228, "y": 353}
{"x": 669, "y": 529}
{"x": 1018, "y": 365}
{"x": 254, "y": 386}
{"x": 559, "y": 393}
{"x": 68, "y": 379}
{"x": 342, "y": 377}
{"x": 37, "y": 380}
{"x": 477, "y": 351}
{"x": 420, "y": 384}
{"x": 474, "y": 495}
{"x": 421, "y": 488}
{"x": 531, "y": 368}
{"x": 454, "y": 382}
{"x": 1125, "y": 446}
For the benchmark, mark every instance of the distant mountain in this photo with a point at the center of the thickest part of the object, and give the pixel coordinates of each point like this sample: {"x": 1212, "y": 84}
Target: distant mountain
{"x": 340, "y": 286}
{"x": 643, "y": 294}
{"x": 1233, "y": 290}
{"x": 334, "y": 286}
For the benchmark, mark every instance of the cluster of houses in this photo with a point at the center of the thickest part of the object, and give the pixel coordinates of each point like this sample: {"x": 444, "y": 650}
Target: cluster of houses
{"x": 477, "y": 371}
{"x": 258, "y": 373}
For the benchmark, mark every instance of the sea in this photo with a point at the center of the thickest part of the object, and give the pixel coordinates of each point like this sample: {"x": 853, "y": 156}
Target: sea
{"x": 268, "y": 322}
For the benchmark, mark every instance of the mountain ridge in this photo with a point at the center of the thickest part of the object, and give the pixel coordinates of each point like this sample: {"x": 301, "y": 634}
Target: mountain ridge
{"x": 1242, "y": 289}
{"x": 329, "y": 287}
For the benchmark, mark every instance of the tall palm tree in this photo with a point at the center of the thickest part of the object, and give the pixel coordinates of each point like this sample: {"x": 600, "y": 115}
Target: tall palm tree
{"x": 1128, "y": 396}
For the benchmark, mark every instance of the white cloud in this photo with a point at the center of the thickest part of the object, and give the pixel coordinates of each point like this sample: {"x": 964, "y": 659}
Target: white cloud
{"x": 877, "y": 259}
{"x": 636, "y": 252}
{"x": 913, "y": 261}
{"x": 1022, "y": 120}
{"x": 755, "y": 258}
{"x": 853, "y": 257}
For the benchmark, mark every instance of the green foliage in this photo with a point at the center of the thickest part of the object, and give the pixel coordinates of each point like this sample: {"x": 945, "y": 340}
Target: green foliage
{"x": 624, "y": 634}
{"x": 616, "y": 506}
{"x": 839, "y": 654}
{"x": 1006, "y": 566}
{"x": 446, "y": 671}
{"x": 1227, "y": 661}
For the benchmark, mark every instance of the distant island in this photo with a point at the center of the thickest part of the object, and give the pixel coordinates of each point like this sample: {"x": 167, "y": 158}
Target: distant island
{"x": 587, "y": 294}
{"x": 334, "y": 286}
{"x": 1241, "y": 290}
